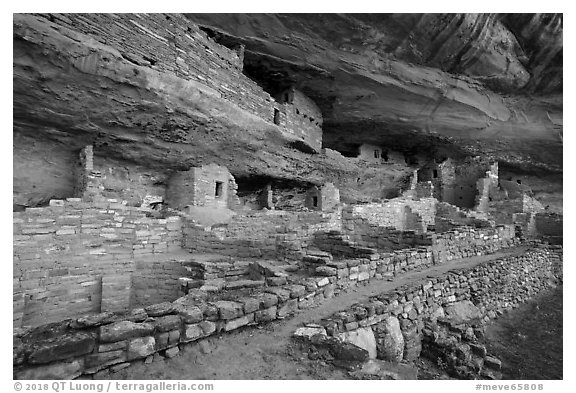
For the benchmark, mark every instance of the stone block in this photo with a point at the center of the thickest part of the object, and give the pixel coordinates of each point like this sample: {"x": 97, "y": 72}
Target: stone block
{"x": 124, "y": 330}
{"x": 236, "y": 323}
{"x": 267, "y": 300}
{"x": 62, "y": 347}
{"x": 250, "y": 304}
{"x": 160, "y": 309}
{"x": 171, "y": 352}
{"x": 192, "y": 332}
{"x": 96, "y": 362}
{"x": 189, "y": 314}
{"x": 229, "y": 310}
{"x": 207, "y": 327}
{"x": 265, "y": 315}
{"x": 54, "y": 371}
{"x": 167, "y": 323}
{"x": 141, "y": 347}
{"x": 289, "y": 307}
{"x": 112, "y": 346}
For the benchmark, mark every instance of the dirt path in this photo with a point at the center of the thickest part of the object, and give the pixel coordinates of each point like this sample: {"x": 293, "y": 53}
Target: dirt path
{"x": 266, "y": 352}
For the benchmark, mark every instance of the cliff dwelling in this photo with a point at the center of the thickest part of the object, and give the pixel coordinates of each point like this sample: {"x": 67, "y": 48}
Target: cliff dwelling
{"x": 327, "y": 196}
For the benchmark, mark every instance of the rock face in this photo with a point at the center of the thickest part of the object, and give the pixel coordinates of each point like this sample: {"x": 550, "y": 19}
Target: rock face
{"x": 389, "y": 340}
{"x": 437, "y": 85}
{"x": 462, "y": 76}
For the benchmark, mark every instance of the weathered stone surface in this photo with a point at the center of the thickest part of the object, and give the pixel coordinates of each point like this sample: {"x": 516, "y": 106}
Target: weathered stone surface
{"x": 236, "y": 323}
{"x": 363, "y": 338}
{"x": 189, "y": 314}
{"x": 283, "y": 294}
{"x": 157, "y": 310}
{"x": 192, "y": 332}
{"x": 229, "y": 310}
{"x": 389, "y": 340}
{"x": 207, "y": 327}
{"x": 267, "y": 300}
{"x": 63, "y": 347}
{"x": 141, "y": 347}
{"x": 463, "y": 312}
{"x": 492, "y": 363}
{"x": 250, "y": 304}
{"x": 62, "y": 370}
{"x": 112, "y": 346}
{"x": 307, "y": 332}
{"x": 326, "y": 271}
{"x": 94, "y": 320}
{"x": 97, "y": 361}
{"x": 347, "y": 351}
{"x": 265, "y": 315}
{"x": 297, "y": 290}
{"x": 167, "y": 323}
{"x": 290, "y": 307}
{"x": 123, "y": 330}
{"x": 137, "y": 315}
{"x": 171, "y": 352}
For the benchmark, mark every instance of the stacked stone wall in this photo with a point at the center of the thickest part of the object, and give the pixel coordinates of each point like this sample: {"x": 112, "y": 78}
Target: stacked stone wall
{"x": 74, "y": 257}
{"x": 394, "y": 213}
{"x": 268, "y": 235}
{"x": 493, "y": 287}
{"x": 97, "y": 343}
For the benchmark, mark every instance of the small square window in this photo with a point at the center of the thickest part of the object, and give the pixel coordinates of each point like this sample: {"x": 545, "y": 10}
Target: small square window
{"x": 218, "y": 190}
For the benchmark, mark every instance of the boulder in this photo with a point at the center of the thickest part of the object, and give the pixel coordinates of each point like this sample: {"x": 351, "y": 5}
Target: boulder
{"x": 463, "y": 312}
{"x": 363, "y": 338}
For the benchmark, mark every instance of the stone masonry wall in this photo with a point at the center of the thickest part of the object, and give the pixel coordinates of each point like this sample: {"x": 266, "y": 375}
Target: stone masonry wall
{"x": 97, "y": 343}
{"x": 272, "y": 234}
{"x": 130, "y": 182}
{"x": 75, "y": 257}
{"x": 394, "y": 213}
{"x": 303, "y": 119}
{"x": 170, "y": 43}
{"x": 493, "y": 287}
{"x": 156, "y": 281}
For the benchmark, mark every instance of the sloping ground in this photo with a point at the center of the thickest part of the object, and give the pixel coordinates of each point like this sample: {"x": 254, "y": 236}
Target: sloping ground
{"x": 270, "y": 353}
{"x": 529, "y": 339}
